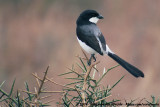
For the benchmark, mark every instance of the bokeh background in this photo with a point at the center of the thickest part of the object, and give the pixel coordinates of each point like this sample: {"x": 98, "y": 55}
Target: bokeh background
{"x": 38, "y": 33}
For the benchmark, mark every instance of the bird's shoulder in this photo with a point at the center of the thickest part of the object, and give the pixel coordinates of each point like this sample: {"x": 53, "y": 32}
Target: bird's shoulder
{"x": 88, "y": 30}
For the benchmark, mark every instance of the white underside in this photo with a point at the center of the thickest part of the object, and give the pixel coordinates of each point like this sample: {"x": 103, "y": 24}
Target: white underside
{"x": 92, "y": 51}
{"x": 86, "y": 48}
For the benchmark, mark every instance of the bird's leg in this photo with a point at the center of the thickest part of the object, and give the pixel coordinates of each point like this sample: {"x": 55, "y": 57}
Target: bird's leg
{"x": 94, "y": 57}
{"x": 90, "y": 59}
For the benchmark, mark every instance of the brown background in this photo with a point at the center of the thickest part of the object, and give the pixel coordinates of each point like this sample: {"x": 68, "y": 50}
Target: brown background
{"x": 35, "y": 34}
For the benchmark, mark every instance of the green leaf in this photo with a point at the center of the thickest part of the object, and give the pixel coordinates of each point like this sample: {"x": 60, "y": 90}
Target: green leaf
{"x": 83, "y": 64}
{"x": 113, "y": 101}
{"x": 74, "y": 83}
{"x": 19, "y": 103}
{"x": 106, "y": 73}
{"x": 65, "y": 73}
{"x": 27, "y": 88}
{"x": 75, "y": 78}
{"x": 81, "y": 68}
{"x": 2, "y": 84}
{"x": 12, "y": 87}
{"x": 157, "y": 101}
{"x": 116, "y": 83}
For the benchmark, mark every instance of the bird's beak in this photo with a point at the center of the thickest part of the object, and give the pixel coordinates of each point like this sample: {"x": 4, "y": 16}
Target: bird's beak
{"x": 100, "y": 17}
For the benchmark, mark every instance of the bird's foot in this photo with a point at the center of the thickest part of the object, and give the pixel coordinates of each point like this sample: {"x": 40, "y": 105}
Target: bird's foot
{"x": 94, "y": 57}
{"x": 90, "y": 59}
{"x": 89, "y": 62}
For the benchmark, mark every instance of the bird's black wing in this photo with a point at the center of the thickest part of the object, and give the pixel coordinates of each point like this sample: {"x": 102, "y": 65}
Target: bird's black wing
{"x": 89, "y": 36}
{"x": 92, "y": 42}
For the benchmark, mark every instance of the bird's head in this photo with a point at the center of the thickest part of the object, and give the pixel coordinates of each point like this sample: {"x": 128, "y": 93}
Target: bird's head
{"x": 89, "y": 16}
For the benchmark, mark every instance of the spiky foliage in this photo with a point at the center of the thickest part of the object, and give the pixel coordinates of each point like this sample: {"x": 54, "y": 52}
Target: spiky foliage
{"x": 33, "y": 99}
{"x": 84, "y": 89}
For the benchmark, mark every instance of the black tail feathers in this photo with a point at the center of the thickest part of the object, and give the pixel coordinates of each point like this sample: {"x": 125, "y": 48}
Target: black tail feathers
{"x": 130, "y": 68}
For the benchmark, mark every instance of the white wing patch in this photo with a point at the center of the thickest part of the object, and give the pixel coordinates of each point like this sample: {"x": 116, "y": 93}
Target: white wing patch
{"x": 100, "y": 45}
{"x": 108, "y": 50}
{"x": 94, "y": 20}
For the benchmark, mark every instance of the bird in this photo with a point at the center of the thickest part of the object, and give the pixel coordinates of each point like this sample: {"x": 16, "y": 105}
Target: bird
{"x": 92, "y": 40}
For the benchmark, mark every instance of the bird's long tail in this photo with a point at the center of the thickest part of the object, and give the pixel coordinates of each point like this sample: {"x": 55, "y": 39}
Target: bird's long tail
{"x": 130, "y": 68}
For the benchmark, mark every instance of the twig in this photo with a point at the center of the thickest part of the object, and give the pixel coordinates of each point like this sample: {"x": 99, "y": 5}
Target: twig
{"x": 27, "y": 102}
{"x": 85, "y": 54}
{"x": 75, "y": 72}
{"x": 85, "y": 82}
{"x": 52, "y": 91}
{"x": 40, "y": 87}
{"x": 102, "y": 99}
{"x": 89, "y": 70}
{"x": 61, "y": 99}
{"x": 78, "y": 92}
{"x": 36, "y": 76}
{"x": 28, "y": 92}
{"x": 43, "y": 80}
{"x": 37, "y": 80}
{"x": 57, "y": 83}
{"x": 44, "y": 97}
{"x": 49, "y": 101}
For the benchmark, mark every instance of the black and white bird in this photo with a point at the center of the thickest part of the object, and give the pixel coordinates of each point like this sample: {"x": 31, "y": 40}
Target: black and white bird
{"x": 92, "y": 40}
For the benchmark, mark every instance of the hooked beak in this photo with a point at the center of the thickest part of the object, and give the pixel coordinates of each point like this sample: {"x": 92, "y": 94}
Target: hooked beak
{"x": 100, "y": 17}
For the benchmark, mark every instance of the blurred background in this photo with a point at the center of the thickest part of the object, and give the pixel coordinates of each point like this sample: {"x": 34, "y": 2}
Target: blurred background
{"x": 35, "y": 34}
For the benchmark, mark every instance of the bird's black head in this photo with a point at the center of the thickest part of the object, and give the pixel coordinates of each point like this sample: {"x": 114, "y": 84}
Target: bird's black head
{"x": 90, "y": 16}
